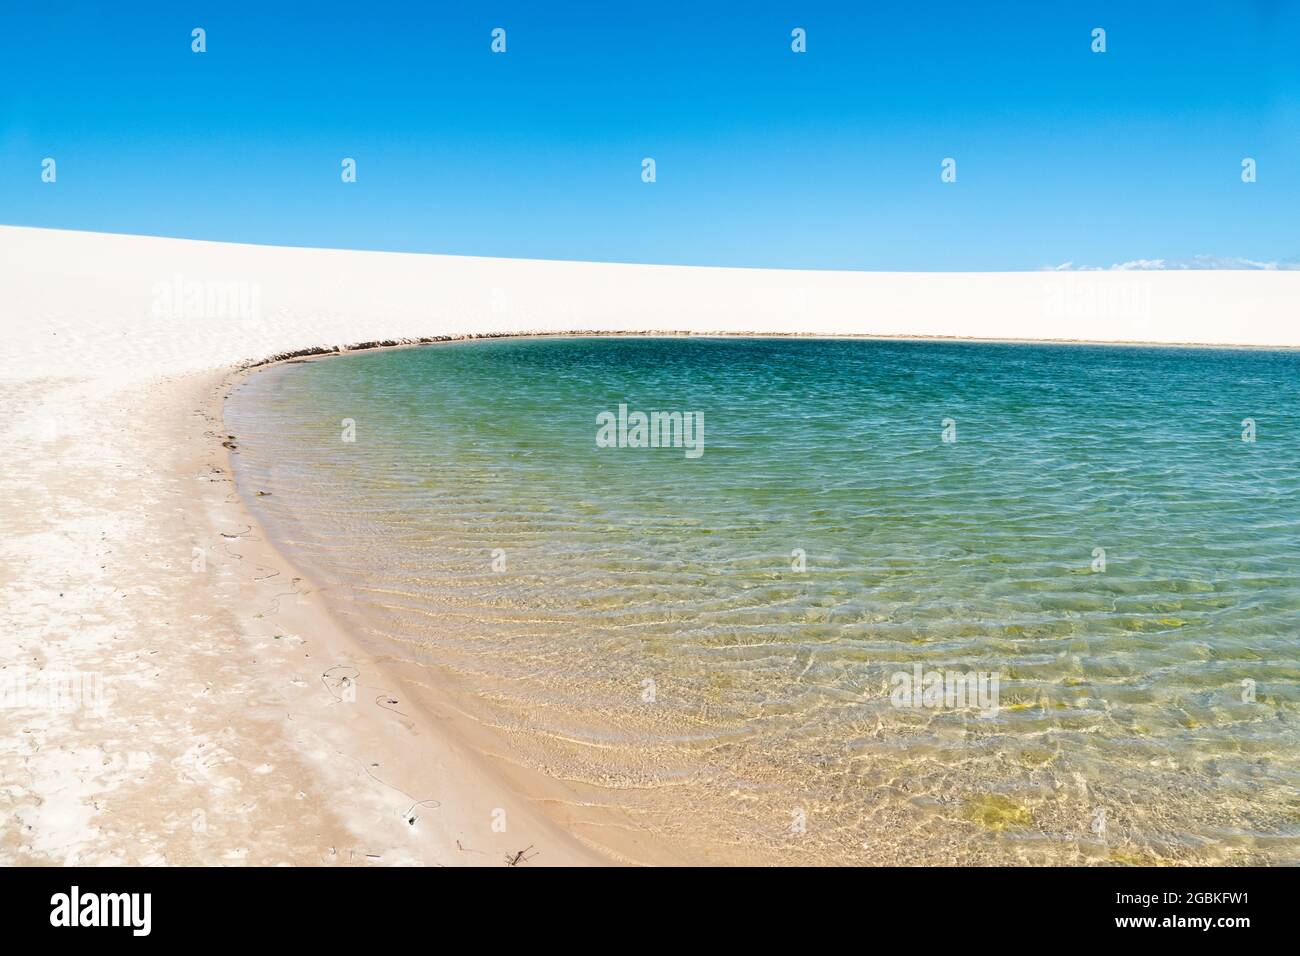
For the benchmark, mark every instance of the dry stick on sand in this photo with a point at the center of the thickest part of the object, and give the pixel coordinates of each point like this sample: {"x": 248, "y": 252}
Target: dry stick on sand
{"x": 519, "y": 857}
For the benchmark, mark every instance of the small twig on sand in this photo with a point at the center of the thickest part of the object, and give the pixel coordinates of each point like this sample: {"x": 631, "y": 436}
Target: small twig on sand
{"x": 517, "y": 858}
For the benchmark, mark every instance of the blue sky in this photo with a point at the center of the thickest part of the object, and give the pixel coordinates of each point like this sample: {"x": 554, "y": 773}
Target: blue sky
{"x": 827, "y": 159}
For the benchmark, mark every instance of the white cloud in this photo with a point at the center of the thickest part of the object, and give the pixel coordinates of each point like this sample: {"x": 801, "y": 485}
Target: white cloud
{"x": 1192, "y": 262}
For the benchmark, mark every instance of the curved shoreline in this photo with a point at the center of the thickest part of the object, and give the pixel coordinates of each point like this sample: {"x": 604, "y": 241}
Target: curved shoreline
{"x": 315, "y": 353}
{"x": 471, "y": 792}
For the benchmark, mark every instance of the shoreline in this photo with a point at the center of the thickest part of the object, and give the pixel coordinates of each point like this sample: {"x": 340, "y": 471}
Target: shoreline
{"x": 487, "y": 781}
{"x": 436, "y": 795}
{"x": 223, "y": 730}
{"x": 316, "y": 353}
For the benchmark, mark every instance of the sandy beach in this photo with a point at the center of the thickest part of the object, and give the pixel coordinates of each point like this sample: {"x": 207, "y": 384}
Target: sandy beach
{"x": 217, "y": 715}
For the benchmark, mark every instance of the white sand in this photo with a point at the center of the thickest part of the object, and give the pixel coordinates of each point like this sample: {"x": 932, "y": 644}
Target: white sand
{"x": 218, "y": 740}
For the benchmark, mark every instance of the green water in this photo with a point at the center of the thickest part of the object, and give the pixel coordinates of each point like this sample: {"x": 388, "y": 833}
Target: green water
{"x": 704, "y": 647}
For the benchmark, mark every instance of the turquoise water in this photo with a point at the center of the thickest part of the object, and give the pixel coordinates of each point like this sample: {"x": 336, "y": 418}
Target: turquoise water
{"x": 703, "y": 649}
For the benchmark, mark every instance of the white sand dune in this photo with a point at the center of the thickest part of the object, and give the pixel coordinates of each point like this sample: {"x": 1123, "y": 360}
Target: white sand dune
{"x": 84, "y": 302}
{"x": 226, "y": 731}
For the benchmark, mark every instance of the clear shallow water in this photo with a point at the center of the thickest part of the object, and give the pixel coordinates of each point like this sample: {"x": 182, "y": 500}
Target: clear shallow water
{"x": 1124, "y": 733}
